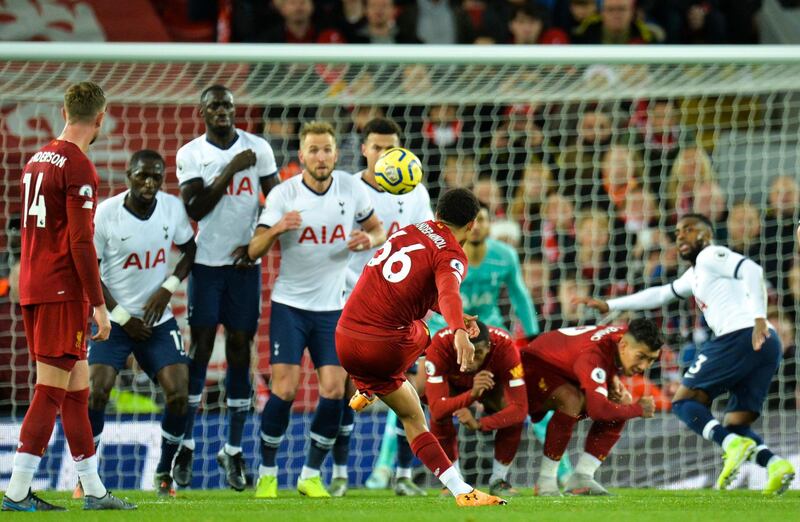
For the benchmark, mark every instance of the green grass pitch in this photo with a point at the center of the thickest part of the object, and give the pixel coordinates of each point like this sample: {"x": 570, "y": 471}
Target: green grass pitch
{"x": 629, "y": 505}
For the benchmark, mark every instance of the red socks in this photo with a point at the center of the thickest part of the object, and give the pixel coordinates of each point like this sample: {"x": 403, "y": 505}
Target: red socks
{"x": 40, "y": 419}
{"x": 427, "y": 449}
{"x": 559, "y": 432}
{"x": 506, "y": 443}
{"x": 601, "y": 438}
{"x": 445, "y": 433}
{"x": 77, "y": 429}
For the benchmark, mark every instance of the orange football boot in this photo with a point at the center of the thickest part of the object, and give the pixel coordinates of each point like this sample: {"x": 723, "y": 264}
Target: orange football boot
{"x": 478, "y": 498}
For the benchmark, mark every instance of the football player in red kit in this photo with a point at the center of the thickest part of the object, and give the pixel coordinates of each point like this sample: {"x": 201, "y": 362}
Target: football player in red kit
{"x": 59, "y": 281}
{"x": 495, "y": 379}
{"x": 381, "y": 333}
{"x": 574, "y": 371}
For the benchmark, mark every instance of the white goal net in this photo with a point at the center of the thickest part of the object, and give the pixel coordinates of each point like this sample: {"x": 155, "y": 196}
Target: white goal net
{"x": 586, "y": 157}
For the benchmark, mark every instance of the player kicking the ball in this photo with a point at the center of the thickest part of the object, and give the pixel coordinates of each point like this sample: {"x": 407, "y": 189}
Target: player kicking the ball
{"x": 574, "y": 372}
{"x": 381, "y": 333}
{"x": 741, "y": 359}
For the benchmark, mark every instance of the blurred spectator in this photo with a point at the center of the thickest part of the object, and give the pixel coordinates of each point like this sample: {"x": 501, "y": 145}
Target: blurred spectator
{"x": 740, "y": 19}
{"x": 692, "y": 167}
{"x": 526, "y": 207}
{"x": 579, "y": 161}
{"x": 379, "y": 25}
{"x": 615, "y": 24}
{"x": 794, "y": 288}
{"x": 296, "y": 25}
{"x": 780, "y": 221}
{"x": 658, "y": 131}
{"x": 592, "y": 257}
{"x": 783, "y": 392}
{"x": 691, "y": 21}
{"x": 709, "y": 200}
{"x": 621, "y": 171}
{"x": 459, "y": 171}
{"x": 522, "y": 23}
{"x": 558, "y": 231}
{"x": 744, "y": 229}
{"x": 488, "y": 193}
{"x": 570, "y": 14}
{"x": 537, "y": 279}
{"x": 442, "y": 127}
{"x": 634, "y": 229}
{"x": 567, "y": 313}
{"x": 506, "y": 230}
{"x": 437, "y": 22}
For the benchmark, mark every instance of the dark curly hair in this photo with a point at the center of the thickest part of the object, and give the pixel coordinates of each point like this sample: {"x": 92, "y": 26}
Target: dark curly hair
{"x": 457, "y": 207}
{"x": 646, "y": 331}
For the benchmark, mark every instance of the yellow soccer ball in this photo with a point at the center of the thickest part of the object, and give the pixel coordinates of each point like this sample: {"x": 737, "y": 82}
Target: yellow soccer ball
{"x": 398, "y": 171}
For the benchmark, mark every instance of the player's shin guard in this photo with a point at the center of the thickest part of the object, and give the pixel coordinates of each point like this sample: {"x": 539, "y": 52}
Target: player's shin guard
{"x": 762, "y": 454}
{"x": 324, "y": 429}
{"x": 274, "y": 421}
{"x": 559, "y": 433}
{"x": 427, "y": 449}
{"x": 341, "y": 448}
{"x": 699, "y": 419}
{"x": 601, "y": 438}
{"x": 197, "y": 382}
{"x": 78, "y": 432}
{"x": 445, "y": 433}
{"x": 238, "y": 389}
{"x": 506, "y": 443}
{"x": 172, "y": 427}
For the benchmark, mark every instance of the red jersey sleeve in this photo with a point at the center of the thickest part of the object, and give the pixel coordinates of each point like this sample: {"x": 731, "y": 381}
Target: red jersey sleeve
{"x": 591, "y": 372}
{"x": 511, "y": 377}
{"x": 450, "y": 269}
{"x": 81, "y": 181}
{"x": 437, "y": 389}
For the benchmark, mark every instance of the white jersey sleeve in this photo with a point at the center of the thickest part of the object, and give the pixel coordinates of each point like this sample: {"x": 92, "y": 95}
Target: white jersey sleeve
{"x": 183, "y": 231}
{"x": 275, "y": 207}
{"x": 187, "y": 165}
{"x": 362, "y": 201}
{"x": 720, "y": 261}
{"x": 265, "y": 160}
{"x": 682, "y": 287}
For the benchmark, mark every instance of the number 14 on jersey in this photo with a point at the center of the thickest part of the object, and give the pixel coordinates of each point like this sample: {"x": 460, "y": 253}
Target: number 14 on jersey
{"x": 37, "y": 207}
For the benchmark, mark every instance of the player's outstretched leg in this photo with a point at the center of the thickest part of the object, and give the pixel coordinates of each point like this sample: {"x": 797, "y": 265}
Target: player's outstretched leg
{"x": 780, "y": 472}
{"x": 341, "y": 449}
{"x": 559, "y": 433}
{"x": 736, "y": 448}
{"x": 506, "y": 443}
{"x": 238, "y": 388}
{"x": 405, "y": 403}
{"x": 202, "y": 345}
{"x": 404, "y": 486}
{"x": 601, "y": 438}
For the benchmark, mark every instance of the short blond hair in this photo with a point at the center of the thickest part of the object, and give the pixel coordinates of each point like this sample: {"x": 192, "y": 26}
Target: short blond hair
{"x": 316, "y": 127}
{"x": 83, "y": 102}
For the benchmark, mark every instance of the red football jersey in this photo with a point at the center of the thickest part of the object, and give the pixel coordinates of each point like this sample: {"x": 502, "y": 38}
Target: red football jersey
{"x": 57, "y": 180}
{"x": 419, "y": 267}
{"x": 448, "y": 389}
{"x": 585, "y": 355}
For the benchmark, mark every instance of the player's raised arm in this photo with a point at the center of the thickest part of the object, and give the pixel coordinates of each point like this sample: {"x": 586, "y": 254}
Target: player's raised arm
{"x": 646, "y": 299}
{"x": 200, "y": 199}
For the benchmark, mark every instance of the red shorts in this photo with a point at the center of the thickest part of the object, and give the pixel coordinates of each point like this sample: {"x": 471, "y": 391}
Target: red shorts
{"x": 56, "y": 332}
{"x": 378, "y": 364}
{"x": 541, "y": 382}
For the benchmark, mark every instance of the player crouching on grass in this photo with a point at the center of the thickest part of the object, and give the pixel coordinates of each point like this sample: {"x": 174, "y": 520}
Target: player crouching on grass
{"x": 574, "y": 371}
{"x": 495, "y": 379}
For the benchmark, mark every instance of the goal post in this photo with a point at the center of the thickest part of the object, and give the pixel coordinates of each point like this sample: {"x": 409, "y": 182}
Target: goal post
{"x": 585, "y": 155}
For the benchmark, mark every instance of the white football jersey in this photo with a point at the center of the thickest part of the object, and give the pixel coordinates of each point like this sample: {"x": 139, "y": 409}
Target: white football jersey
{"x": 713, "y": 281}
{"x": 133, "y": 252}
{"x": 314, "y": 257}
{"x": 395, "y": 212}
{"x": 231, "y": 223}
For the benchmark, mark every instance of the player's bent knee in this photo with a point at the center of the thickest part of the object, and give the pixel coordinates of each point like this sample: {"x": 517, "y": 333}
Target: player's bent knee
{"x": 98, "y": 399}
{"x": 177, "y": 403}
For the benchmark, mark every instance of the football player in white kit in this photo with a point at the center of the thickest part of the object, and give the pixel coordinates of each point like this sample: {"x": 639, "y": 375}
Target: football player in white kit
{"x": 395, "y": 212}
{"x": 134, "y": 232}
{"x": 221, "y": 174}
{"x": 741, "y": 358}
{"x": 316, "y": 217}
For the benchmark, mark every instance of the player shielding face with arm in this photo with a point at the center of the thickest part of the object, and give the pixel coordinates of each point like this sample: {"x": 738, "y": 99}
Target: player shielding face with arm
{"x": 221, "y": 173}
{"x": 495, "y": 379}
{"x": 59, "y": 280}
{"x": 381, "y": 333}
{"x": 134, "y": 232}
{"x": 572, "y": 371}
{"x": 314, "y": 216}
{"x": 395, "y": 212}
{"x": 741, "y": 359}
